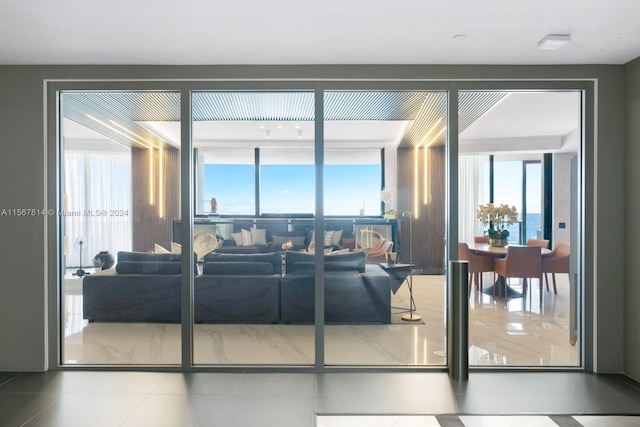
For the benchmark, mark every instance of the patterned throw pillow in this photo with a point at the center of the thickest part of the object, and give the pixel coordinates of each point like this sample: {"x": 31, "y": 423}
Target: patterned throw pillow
{"x": 328, "y": 238}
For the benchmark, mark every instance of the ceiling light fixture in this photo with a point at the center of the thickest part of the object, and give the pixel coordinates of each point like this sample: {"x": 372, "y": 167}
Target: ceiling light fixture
{"x": 299, "y": 134}
{"x": 554, "y": 41}
{"x": 267, "y": 134}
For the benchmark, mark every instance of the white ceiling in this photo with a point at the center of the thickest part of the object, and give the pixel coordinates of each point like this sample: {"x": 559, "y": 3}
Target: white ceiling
{"x": 316, "y": 32}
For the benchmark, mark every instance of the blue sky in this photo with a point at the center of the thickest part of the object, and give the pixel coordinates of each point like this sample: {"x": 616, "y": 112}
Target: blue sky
{"x": 290, "y": 188}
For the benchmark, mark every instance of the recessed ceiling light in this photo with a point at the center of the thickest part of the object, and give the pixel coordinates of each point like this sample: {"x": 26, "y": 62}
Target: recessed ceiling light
{"x": 554, "y": 41}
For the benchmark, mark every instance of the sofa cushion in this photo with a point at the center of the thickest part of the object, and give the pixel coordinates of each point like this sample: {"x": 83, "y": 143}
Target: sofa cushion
{"x": 341, "y": 261}
{"x": 238, "y": 267}
{"x": 151, "y": 258}
{"x": 271, "y": 257}
{"x": 147, "y": 257}
{"x": 146, "y": 267}
{"x": 357, "y": 260}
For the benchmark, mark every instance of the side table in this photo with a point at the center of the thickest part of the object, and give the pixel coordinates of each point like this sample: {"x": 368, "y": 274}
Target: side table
{"x": 398, "y": 274}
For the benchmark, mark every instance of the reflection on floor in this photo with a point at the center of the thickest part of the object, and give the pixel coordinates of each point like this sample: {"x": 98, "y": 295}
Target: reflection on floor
{"x": 239, "y": 399}
{"x": 514, "y": 332}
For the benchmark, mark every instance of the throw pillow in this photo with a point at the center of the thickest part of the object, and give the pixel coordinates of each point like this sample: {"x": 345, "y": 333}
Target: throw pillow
{"x": 297, "y": 240}
{"x": 328, "y": 238}
{"x": 258, "y": 236}
{"x": 337, "y": 236}
{"x": 176, "y": 248}
{"x": 159, "y": 249}
{"x": 279, "y": 240}
{"x": 237, "y": 237}
{"x": 246, "y": 238}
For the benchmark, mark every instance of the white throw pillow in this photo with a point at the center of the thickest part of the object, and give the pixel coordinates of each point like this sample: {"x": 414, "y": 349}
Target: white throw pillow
{"x": 328, "y": 238}
{"x": 337, "y": 236}
{"x": 258, "y": 236}
{"x": 246, "y": 238}
{"x": 176, "y": 248}
{"x": 237, "y": 237}
{"x": 159, "y": 249}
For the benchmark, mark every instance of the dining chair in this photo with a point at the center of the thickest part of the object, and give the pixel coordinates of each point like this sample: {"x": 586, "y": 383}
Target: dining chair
{"x": 481, "y": 239}
{"x": 523, "y": 262}
{"x": 556, "y": 262}
{"x": 380, "y": 255}
{"x": 478, "y": 264}
{"x": 538, "y": 242}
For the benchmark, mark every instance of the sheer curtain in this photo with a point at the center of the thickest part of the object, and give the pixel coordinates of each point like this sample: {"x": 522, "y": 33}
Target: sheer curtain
{"x": 473, "y": 182}
{"x": 97, "y": 188}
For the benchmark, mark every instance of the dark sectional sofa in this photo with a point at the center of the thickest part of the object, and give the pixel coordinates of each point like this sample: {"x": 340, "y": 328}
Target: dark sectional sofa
{"x": 239, "y": 288}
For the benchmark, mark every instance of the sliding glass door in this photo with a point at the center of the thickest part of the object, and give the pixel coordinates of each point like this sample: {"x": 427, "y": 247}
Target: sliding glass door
{"x": 120, "y": 270}
{"x": 289, "y": 214}
{"x": 517, "y": 152}
{"x": 255, "y": 195}
{"x": 384, "y": 196}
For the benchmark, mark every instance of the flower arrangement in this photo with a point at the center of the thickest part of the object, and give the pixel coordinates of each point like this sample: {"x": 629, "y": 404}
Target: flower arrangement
{"x": 385, "y": 195}
{"x": 287, "y": 245}
{"x": 497, "y": 218}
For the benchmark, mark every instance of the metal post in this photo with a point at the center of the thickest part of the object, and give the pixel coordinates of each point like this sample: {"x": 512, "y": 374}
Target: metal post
{"x": 458, "y": 321}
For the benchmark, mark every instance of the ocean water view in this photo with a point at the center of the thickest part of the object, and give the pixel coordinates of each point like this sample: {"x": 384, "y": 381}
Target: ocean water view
{"x": 533, "y": 229}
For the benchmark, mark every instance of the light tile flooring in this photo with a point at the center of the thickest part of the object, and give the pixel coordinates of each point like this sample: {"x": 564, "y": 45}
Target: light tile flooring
{"x": 159, "y": 399}
{"x": 511, "y": 333}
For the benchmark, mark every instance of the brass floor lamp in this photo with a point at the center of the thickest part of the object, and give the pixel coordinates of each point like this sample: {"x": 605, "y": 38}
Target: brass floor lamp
{"x": 411, "y": 316}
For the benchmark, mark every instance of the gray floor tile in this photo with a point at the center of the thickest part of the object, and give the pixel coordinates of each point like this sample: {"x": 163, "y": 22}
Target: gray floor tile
{"x": 46, "y": 382}
{"x": 82, "y": 410}
{"x": 303, "y": 384}
{"x": 199, "y": 383}
{"x": 270, "y": 411}
{"x": 171, "y": 410}
{"x": 121, "y": 382}
{"x": 7, "y": 376}
{"x": 17, "y": 409}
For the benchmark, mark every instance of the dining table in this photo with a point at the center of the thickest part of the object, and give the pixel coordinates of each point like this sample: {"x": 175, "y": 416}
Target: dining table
{"x": 484, "y": 249}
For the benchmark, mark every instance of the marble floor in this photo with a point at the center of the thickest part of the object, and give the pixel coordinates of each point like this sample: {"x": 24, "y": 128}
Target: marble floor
{"x": 81, "y": 398}
{"x": 515, "y": 332}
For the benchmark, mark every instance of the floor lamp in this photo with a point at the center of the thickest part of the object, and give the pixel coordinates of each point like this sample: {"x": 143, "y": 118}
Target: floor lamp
{"x": 411, "y": 317}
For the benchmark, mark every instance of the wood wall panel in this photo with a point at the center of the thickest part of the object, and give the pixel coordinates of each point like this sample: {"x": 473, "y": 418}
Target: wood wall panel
{"x": 429, "y": 226}
{"x": 151, "y": 223}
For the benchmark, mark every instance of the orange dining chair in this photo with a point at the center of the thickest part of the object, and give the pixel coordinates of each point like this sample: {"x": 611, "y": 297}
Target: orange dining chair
{"x": 523, "y": 262}
{"x": 481, "y": 239}
{"x": 557, "y": 261}
{"x": 538, "y": 242}
{"x": 478, "y": 264}
{"x": 380, "y": 255}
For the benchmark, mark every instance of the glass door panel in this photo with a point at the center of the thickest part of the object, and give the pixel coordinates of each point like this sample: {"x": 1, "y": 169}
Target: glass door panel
{"x": 511, "y": 131}
{"x": 384, "y": 195}
{"x": 255, "y": 200}
{"x": 120, "y": 181}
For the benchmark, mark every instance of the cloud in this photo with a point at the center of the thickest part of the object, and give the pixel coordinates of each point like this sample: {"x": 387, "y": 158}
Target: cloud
{"x": 285, "y": 191}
